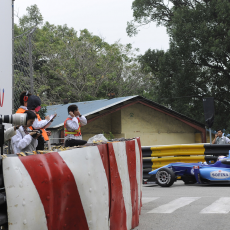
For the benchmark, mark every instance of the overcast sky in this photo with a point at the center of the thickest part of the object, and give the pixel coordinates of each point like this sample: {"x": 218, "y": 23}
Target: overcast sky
{"x": 106, "y": 18}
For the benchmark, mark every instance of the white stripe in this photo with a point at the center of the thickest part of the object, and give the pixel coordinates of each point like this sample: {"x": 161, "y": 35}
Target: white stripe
{"x": 25, "y": 209}
{"x": 222, "y": 205}
{"x": 122, "y": 164}
{"x": 89, "y": 173}
{"x": 138, "y": 173}
{"x": 146, "y": 200}
{"x": 174, "y": 205}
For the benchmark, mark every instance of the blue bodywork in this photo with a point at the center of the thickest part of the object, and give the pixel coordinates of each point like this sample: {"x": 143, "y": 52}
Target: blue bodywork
{"x": 218, "y": 172}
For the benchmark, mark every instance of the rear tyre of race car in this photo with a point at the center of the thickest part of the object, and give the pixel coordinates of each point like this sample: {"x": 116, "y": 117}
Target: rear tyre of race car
{"x": 165, "y": 177}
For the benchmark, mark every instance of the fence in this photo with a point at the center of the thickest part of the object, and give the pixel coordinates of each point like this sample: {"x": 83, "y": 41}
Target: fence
{"x": 23, "y": 65}
{"x": 157, "y": 156}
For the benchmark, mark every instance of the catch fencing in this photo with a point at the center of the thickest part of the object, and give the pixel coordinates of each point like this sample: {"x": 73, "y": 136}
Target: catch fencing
{"x": 23, "y": 65}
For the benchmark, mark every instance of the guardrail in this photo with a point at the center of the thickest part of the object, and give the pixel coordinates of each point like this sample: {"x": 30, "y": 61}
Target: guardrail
{"x": 157, "y": 156}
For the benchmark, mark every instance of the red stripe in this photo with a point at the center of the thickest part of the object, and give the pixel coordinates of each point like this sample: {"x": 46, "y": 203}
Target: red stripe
{"x": 118, "y": 212}
{"x": 141, "y": 170}
{"x": 131, "y": 159}
{"x": 58, "y": 191}
{"x": 103, "y": 149}
{"x": 1, "y": 99}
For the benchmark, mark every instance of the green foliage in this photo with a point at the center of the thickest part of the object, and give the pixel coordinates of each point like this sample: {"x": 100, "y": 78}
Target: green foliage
{"x": 197, "y": 63}
{"x": 42, "y": 111}
{"x": 78, "y": 65}
{"x": 108, "y": 136}
{"x": 146, "y": 11}
{"x": 33, "y": 18}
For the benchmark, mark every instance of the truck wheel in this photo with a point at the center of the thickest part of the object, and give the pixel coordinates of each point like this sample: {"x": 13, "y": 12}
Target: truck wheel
{"x": 165, "y": 177}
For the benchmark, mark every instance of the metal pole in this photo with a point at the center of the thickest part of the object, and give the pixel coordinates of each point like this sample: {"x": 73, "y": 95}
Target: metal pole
{"x": 30, "y": 60}
{"x": 210, "y": 135}
{"x": 2, "y": 127}
{"x": 49, "y": 145}
{"x": 12, "y": 56}
{"x": 31, "y": 65}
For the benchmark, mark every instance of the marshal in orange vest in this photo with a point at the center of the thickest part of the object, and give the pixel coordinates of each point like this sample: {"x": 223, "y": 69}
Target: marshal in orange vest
{"x": 75, "y": 132}
{"x": 44, "y": 133}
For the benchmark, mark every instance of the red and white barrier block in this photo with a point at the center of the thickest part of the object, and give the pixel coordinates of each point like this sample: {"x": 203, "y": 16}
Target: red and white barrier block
{"x": 91, "y": 188}
{"x": 126, "y": 184}
{"x": 66, "y": 190}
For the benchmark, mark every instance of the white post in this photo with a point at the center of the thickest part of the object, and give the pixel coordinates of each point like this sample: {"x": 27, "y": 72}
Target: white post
{"x": 6, "y": 56}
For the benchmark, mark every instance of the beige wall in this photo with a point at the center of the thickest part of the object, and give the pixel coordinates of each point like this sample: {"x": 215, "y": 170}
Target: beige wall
{"x": 198, "y": 137}
{"x": 153, "y": 127}
{"x": 106, "y": 124}
{"x": 208, "y": 137}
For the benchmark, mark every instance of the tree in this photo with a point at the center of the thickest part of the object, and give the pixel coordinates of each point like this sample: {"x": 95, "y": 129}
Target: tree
{"x": 82, "y": 68}
{"x": 197, "y": 63}
{"x": 31, "y": 19}
{"x": 78, "y": 66}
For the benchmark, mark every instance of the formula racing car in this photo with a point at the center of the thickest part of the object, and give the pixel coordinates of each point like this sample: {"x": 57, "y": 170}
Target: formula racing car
{"x": 191, "y": 173}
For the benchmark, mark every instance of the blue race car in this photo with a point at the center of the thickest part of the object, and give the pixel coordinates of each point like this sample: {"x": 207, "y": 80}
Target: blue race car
{"x": 191, "y": 173}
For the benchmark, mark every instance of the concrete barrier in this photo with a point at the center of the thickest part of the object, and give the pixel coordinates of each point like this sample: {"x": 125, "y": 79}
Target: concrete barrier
{"x": 67, "y": 190}
{"x": 96, "y": 188}
{"x": 126, "y": 181}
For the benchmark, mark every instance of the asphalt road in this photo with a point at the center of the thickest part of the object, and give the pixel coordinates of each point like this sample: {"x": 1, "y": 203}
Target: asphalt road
{"x": 185, "y": 207}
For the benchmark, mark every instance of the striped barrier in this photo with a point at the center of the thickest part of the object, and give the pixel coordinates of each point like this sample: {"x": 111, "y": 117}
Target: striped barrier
{"x": 157, "y": 156}
{"x": 126, "y": 181}
{"x": 185, "y": 150}
{"x": 96, "y": 188}
{"x": 50, "y": 187}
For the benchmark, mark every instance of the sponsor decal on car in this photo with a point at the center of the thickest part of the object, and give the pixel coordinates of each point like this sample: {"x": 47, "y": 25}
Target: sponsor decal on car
{"x": 192, "y": 171}
{"x": 220, "y": 174}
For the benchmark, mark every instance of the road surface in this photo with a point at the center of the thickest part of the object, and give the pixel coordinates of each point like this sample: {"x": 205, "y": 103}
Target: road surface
{"x": 185, "y": 207}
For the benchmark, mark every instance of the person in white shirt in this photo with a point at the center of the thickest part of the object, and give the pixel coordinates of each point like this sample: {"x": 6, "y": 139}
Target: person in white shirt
{"x": 220, "y": 139}
{"x": 10, "y": 132}
{"x": 25, "y": 140}
{"x": 34, "y": 105}
{"x": 72, "y": 127}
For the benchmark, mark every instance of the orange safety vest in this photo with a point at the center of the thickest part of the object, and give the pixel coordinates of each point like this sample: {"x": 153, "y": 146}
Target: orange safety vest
{"x": 20, "y": 110}
{"x": 44, "y": 133}
{"x": 75, "y": 132}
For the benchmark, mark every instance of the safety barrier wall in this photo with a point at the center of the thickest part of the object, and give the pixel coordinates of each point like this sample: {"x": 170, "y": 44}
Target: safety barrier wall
{"x": 126, "y": 184}
{"x": 157, "y": 156}
{"x": 96, "y": 188}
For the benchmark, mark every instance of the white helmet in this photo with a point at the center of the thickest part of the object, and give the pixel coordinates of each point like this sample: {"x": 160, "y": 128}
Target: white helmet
{"x": 220, "y": 157}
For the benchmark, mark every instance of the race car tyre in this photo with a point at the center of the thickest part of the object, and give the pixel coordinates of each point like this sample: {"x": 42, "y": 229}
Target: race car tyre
{"x": 165, "y": 177}
{"x": 189, "y": 179}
